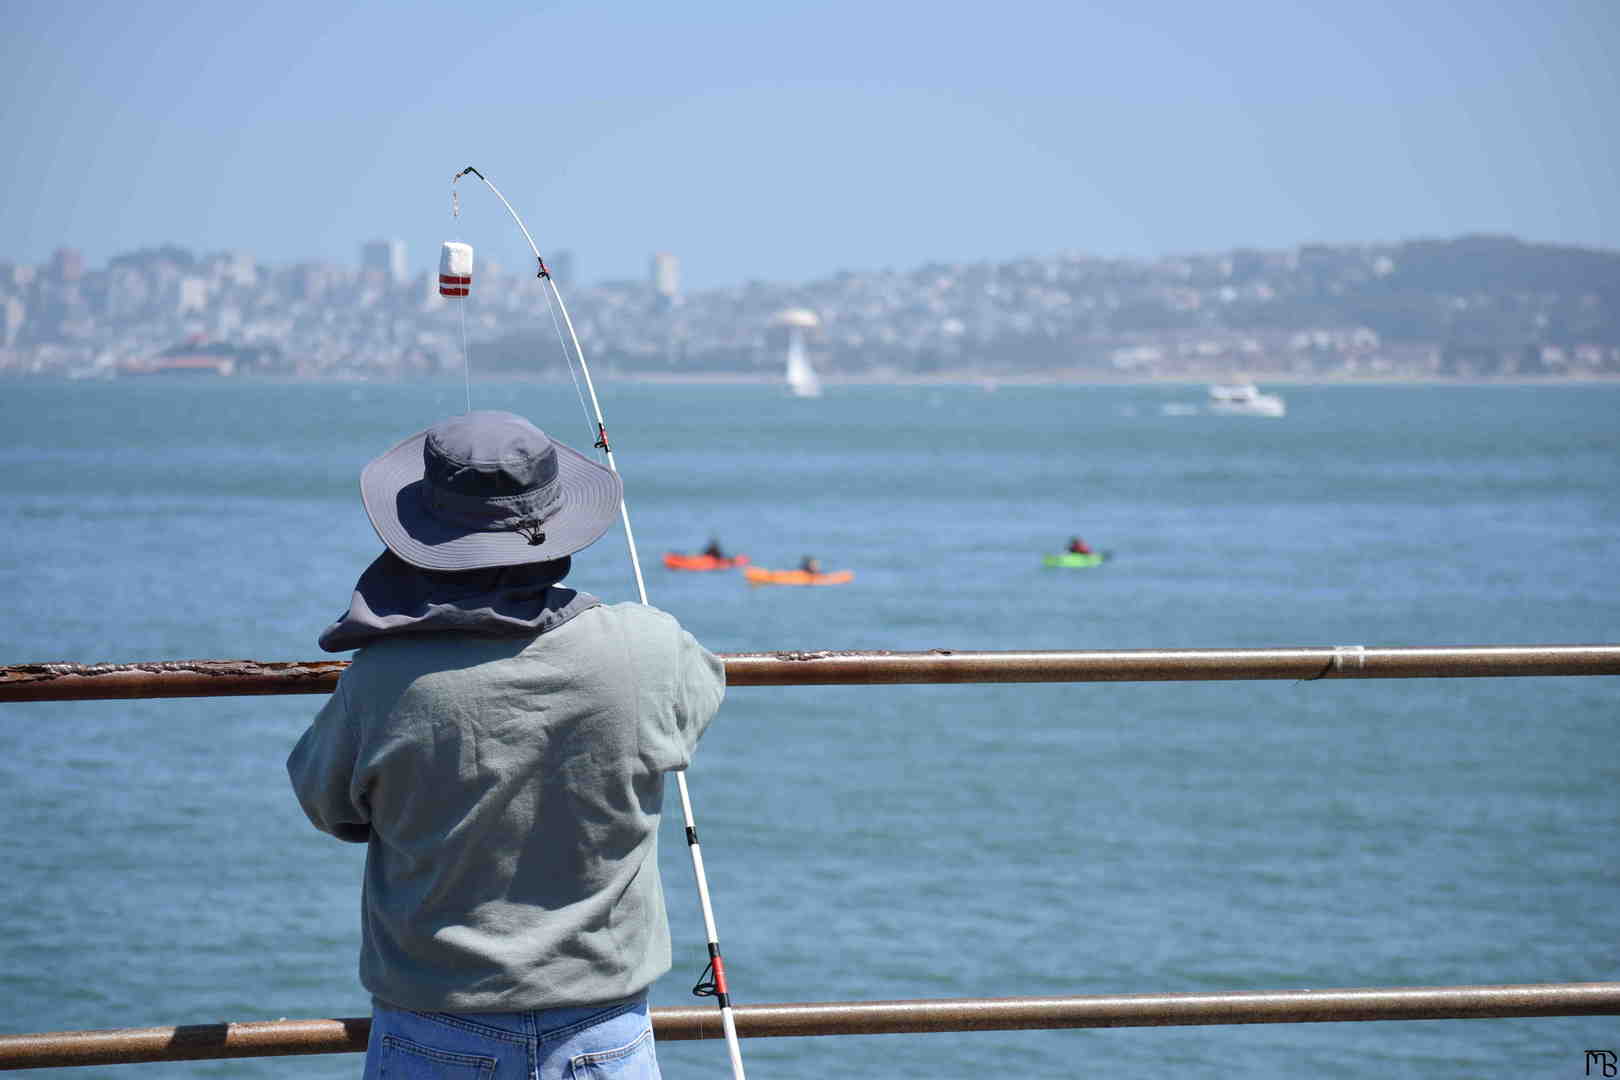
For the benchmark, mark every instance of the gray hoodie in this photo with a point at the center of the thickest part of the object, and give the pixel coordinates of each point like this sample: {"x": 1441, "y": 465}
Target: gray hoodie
{"x": 509, "y": 790}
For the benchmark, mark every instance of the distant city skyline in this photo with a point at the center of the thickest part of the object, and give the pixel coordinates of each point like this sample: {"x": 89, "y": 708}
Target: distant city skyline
{"x": 1472, "y": 306}
{"x": 787, "y": 143}
{"x": 660, "y": 270}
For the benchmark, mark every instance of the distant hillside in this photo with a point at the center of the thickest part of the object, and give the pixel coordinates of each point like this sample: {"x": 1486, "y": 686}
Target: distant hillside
{"x": 1470, "y": 291}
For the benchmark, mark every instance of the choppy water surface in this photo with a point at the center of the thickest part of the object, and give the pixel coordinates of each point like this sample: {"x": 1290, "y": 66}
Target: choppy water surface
{"x": 881, "y": 843}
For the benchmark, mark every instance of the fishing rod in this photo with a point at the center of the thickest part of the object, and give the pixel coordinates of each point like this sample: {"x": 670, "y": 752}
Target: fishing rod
{"x": 712, "y": 983}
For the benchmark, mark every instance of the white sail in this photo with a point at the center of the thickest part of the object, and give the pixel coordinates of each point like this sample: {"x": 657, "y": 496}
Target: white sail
{"x": 801, "y": 377}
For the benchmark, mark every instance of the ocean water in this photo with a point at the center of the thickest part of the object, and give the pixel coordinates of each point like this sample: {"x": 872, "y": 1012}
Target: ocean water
{"x": 886, "y": 842}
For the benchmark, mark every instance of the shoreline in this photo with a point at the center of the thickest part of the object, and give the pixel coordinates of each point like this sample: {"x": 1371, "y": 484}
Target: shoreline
{"x": 1087, "y": 377}
{"x": 987, "y": 381}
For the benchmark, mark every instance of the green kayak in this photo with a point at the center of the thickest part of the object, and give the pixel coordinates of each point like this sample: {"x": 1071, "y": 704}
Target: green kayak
{"x": 1070, "y": 558}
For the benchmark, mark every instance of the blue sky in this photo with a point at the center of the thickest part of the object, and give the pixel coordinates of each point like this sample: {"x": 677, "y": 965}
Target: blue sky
{"x": 784, "y": 141}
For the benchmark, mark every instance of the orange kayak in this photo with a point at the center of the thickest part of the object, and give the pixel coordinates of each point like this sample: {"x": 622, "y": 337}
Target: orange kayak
{"x": 758, "y": 575}
{"x": 676, "y": 561}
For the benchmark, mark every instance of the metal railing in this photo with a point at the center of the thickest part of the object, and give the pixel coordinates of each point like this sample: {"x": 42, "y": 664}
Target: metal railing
{"x": 212, "y": 678}
{"x": 289, "y": 1037}
{"x": 217, "y": 678}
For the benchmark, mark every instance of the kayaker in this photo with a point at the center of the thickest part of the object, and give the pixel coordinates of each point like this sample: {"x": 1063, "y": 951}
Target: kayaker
{"x": 499, "y": 743}
{"x": 713, "y": 550}
{"x": 810, "y": 564}
{"x": 1078, "y": 546}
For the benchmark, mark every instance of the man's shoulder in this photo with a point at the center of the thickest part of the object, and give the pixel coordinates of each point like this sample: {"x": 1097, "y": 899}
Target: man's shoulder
{"x": 416, "y": 648}
{"x": 629, "y": 616}
{"x": 631, "y": 610}
{"x": 411, "y": 656}
{"x": 645, "y": 630}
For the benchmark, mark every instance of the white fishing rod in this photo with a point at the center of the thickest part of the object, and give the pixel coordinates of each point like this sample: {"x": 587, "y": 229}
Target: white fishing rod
{"x": 712, "y": 983}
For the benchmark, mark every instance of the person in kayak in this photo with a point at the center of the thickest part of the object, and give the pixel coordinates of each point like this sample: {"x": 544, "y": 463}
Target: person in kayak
{"x": 499, "y": 743}
{"x": 810, "y": 564}
{"x": 1078, "y": 546}
{"x": 713, "y": 550}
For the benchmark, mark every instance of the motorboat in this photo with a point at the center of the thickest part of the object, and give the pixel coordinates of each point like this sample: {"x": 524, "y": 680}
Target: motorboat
{"x": 1244, "y": 399}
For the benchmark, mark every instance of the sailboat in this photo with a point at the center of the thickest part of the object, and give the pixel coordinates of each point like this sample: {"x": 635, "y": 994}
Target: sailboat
{"x": 801, "y": 377}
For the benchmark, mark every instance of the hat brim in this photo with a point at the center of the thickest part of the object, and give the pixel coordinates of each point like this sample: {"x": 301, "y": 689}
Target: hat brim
{"x": 392, "y": 489}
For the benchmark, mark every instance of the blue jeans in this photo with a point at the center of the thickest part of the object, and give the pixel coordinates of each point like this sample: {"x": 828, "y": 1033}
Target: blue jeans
{"x": 598, "y": 1041}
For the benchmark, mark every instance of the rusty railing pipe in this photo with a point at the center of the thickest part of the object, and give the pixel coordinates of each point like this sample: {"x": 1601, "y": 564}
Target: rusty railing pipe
{"x": 224, "y": 678}
{"x": 289, "y": 1037}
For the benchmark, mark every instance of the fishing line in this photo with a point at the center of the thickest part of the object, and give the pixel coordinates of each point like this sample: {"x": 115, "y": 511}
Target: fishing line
{"x": 466, "y": 355}
{"x": 578, "y": 355}
{"x": 563, "y": 345}
{"x": 712, "y": 983}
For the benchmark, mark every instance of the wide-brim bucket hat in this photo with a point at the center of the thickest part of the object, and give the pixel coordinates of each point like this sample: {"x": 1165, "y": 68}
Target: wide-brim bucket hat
{"x": 487, "y": 489}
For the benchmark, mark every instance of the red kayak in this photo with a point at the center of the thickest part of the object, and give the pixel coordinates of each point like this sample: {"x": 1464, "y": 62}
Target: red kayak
{"x": 676, "y": 561}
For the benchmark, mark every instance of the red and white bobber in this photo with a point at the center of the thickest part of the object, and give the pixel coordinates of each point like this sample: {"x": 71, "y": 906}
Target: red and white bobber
{"x": 455, "y": 269}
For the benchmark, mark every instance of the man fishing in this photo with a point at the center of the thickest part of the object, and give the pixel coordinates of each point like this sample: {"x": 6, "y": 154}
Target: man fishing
{"x": 500, "y": 743}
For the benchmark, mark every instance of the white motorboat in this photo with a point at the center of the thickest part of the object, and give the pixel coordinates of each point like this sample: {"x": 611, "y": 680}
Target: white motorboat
{"x": 1244, "y": 399}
